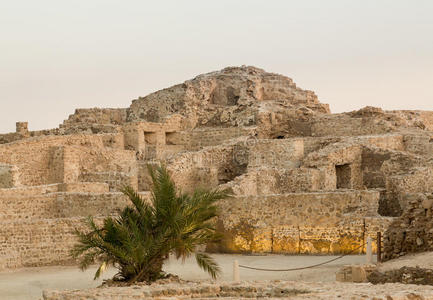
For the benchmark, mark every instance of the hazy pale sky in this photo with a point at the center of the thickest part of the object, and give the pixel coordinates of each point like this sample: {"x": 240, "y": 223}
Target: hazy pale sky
{"x": 58, "y": 55}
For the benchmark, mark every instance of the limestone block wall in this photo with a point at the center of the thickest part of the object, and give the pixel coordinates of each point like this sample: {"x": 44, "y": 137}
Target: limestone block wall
{"x": 106, "y": 160}
{"x": 16, "y": 136}
{"x": 64, "y": 164}
{"x": 243, "y": 185}
{"x": 339, "y": 165}
{"x": 370, "y": 120}
{"x": 14, "y": 208}
{"x": 9, "y": 176}
{"x": 40, "y": 159}
{"x": 266, "y": 181}
{"x": 208, "y": 167}
{"x": 276, "y": 121}
{"x": 344, "y": 125}
{"x": 32, "y": 159}
{"x": 37, "y": 242}
{"x": 313, "y": 144}
{"x": 385, "y": 142}
{"x": 420, "y": 144}
{"x": 278, "y": 181}
{"x": 378, "y": 164}
{"x": 112, "y": 166}
{"x": 115, "y": 180}
{"x": 281, "y": 153}
{"x": 420, "y": 180}
{"x": 203, "y": 137}
{"x": 113, "y": 140}
{"x": 372, "y": 162}
{"x": 84, "y": 187}
{"x": 137, "y": 134}
{"x": 10, "y": 137}
{"x": 322, "y": 222}
{"x": 79, "y": 204}
{"x": 366, "y": 156}
{"x": 115, "y": 116}
{"x": 144, "y": 180}
{"x": 59, "y": 205}
{"x": 29, "y": 190}
{"x": 37, "y": 225}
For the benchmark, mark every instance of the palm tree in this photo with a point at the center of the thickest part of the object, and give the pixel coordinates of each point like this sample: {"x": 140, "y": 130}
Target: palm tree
{"x": 140, "y": 239}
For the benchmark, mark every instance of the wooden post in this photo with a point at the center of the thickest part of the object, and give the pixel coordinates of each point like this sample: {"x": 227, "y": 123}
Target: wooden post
{"x": 236, "y": 277}
{"x": 369, "y": 254}
{"x": 379, "y": 247}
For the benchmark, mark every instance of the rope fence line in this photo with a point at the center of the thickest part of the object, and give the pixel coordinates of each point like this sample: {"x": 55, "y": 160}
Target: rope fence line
{"x": 307, "y": 267}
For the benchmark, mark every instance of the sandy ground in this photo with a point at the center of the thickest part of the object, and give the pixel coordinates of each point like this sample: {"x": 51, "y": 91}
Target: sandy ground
{"x": 27, "y": 284}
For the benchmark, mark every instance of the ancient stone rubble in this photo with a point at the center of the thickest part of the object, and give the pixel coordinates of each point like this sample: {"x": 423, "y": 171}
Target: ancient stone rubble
{"x": 303, "y": 180}
{"x": 413, "y": 231}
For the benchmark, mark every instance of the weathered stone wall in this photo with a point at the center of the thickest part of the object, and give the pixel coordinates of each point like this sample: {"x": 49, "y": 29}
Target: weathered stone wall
{"x": 115, "y": 180}
{"x": 37, "y": 242}
{"x": 208, "y": 167}
{"x": 370, "y": 121}
{"x": 384, "y": 142}
{"x": 420, "y": 144}
{"x": 59, "y": 205}
{"x": 97, "y": 116}
{"x": 332, "y": 222}
{"x": 9, "y": 176}
{"x": 204, "y": 137}
{"x": 34, "y": 157}
{"x": 39, "y": 229}
{"x": 344, "y": 125}
{"x": 230, "y": 97}
{"x": 10, "y": 137}
{"x": 413, "y": 231}
{"x": 30, "y": 190}
{"x": 339, "y": 165}
{"x": 281, "y": 153}
{"x": 398, "y": 186}
{"x": 265, "y": 181}
{"x": 58, "y": 159}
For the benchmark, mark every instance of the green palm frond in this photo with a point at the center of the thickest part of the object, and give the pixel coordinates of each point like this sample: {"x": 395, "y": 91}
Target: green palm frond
{"x": 208, "y": 264}
{"x": 100, "y": 270}
{"x": 143, "y": 235}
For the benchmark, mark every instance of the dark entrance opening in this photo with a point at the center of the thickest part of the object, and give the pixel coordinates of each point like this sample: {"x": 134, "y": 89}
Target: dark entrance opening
{"x": 344, "y": 176}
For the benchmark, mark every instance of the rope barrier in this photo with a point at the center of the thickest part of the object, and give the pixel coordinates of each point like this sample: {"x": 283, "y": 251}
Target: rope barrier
{"x": 302, "y": 268}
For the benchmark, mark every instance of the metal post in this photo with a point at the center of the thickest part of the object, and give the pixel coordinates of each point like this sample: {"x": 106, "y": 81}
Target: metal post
{"x": 379, "y": 247}
{"x": 369, "y": 254}
{"x": 236, "y": 276}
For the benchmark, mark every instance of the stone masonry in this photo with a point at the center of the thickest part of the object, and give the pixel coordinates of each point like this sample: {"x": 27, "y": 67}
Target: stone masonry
{"x": 303, "y": 180}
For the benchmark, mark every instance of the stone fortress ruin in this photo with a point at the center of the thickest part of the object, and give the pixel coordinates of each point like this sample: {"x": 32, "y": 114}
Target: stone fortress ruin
{"x": 303, "y": 180}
